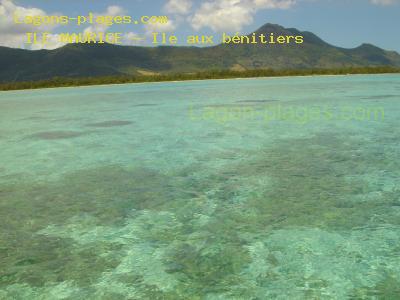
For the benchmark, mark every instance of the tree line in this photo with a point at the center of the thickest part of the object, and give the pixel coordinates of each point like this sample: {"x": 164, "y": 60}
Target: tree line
{"x": 213, "y": 74}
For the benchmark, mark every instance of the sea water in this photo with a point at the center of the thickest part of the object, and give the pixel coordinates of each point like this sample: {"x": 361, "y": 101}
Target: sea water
{"x": 269, "y": 188}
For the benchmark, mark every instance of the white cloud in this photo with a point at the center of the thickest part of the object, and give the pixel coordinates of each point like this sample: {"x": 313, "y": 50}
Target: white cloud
{"x": 178, "y": 7}
{"x": 160, "y": 27}
{"x": 222, "y": 15}
{"x": 271, "y": 4}
{"x": 128, "y": 38}
{"x": 232, "y": 15}
{"x": 111, "y": 11}
{"x": 114, "y": 10}
{"x": 131, "y": 38}
{"x": 14, "y": 35}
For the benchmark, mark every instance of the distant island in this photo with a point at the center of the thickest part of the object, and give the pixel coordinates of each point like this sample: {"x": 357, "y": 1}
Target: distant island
{"x": 227, "y": 74}
{"x": 88, "y": 64}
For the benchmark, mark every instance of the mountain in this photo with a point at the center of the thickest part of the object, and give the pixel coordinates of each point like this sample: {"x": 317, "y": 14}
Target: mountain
{"x": 85, "y": 60}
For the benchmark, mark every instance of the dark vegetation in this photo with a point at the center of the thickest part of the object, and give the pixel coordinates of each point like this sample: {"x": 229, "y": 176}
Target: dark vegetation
{"x": 224, "y": 74}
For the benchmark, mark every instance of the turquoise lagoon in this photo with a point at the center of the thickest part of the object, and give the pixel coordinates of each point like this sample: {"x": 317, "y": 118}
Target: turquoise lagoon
{"x": 271, "y": 188}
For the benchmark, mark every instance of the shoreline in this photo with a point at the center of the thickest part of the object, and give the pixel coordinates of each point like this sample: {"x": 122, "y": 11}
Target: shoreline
{"x": 195, "y": 80}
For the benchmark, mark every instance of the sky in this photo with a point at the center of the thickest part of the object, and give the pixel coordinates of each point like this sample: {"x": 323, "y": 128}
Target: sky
{"x": 343, "y": 23}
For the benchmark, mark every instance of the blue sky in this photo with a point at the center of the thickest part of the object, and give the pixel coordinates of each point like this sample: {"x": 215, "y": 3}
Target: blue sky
{"x": 345, "y": 23}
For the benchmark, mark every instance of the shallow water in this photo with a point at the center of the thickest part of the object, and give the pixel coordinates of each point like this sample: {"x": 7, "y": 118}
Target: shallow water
{"x": 282, "y": 188}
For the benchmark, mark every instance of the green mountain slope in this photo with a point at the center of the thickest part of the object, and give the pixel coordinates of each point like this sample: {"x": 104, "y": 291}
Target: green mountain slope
{"x": 83, "y": 60}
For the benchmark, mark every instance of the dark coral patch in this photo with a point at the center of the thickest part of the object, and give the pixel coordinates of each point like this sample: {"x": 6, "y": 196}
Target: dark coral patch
{"x": 106, "y": 124}
{"x": 56, "y": 135}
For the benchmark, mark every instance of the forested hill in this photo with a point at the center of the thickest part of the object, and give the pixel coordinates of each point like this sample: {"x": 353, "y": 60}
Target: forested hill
{"x": 93, "y": 60}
